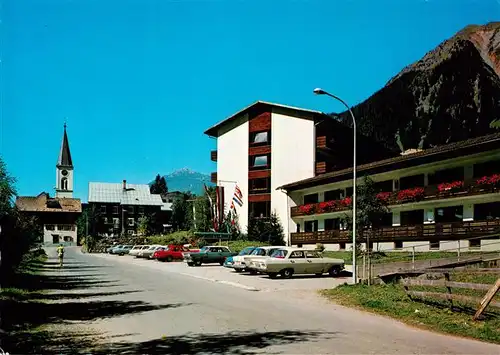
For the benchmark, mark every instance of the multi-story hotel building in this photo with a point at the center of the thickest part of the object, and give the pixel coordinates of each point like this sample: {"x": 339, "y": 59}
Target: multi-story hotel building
{"x": 450, "y": 193}
{"x": 267, "y": 145}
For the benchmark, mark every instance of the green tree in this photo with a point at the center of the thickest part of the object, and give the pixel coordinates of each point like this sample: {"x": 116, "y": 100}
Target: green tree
{"x": 202, "y": 213}
{"x": 231, "y": 223}
{"x": 159, "y": 186}
{"x": 266, "y": 231}
{"x": 143, "y": 226}
{"x": 495, "y": 124}
{"x": 370, "y": 209}
{"x": 182, "y": 215}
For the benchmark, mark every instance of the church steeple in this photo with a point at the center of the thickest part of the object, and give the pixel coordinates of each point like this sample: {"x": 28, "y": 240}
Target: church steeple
{"x": 65, "y": 155}
{"x": 64, "y": 170}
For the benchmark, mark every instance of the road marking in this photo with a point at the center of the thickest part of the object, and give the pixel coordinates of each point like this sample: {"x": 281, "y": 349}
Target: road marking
{"x": 235, "y": 284}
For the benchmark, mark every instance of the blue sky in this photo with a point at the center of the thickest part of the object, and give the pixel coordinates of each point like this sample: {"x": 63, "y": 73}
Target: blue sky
{"x": 139, "y": 81}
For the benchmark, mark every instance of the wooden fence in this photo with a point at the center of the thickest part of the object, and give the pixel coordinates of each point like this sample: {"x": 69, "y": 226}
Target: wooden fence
{"x": 482, "y": 303}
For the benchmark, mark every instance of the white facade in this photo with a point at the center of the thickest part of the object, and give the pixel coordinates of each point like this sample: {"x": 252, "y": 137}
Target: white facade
{"x": 293, "y": 153}
{"x": 60, "y": 234}
{"x": 465, "y": 202}
{"x": 64, "y": 182}
{"x": 232, "y": 168}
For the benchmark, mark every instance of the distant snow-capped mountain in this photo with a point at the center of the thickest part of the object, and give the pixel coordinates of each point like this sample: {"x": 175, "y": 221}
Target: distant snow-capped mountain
{"x": 186, "y": 180}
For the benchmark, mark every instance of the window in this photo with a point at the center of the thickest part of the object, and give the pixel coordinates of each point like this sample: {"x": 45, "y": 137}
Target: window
{"x": 116, "y": 222}
{"x": 68, "y": 239}
{"x": 103, "y": 209}
{"x": 260, "y": 185}
{"x": 333, "y": 195}
{"x": 475, "y": 243}
{"x": 130, "y": 210}
{"x": 312, "y": 198}
{"x": 55, "y": 238}
{"x": 280, "y": 254}
{"x": 259, "y": 138}
{"x": 130, "y": 222}
{"x": 311, "y": 226}
{"x": 398, "y": 245}
{"x": 259, "y": 161}
{"x": 434, "y": 245}
{"x": 64, "y": 183}
{"x": 341, "y": 246}
{"x": 115, "y": 209}
{"x": 130, "y": 232}
{"x": 141, "y": 210}
{"x": 50, "y": 227}
{"x": 105, "y": 220}
{"x": 311, "y": 254}
{"x": 297, "y": 255}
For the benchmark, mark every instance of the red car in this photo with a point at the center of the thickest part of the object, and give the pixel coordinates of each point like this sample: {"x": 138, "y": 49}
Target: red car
{"x": 172, "y": 252}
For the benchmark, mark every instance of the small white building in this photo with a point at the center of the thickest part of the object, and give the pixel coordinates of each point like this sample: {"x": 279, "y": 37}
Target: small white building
{"x": 57, "y": 215}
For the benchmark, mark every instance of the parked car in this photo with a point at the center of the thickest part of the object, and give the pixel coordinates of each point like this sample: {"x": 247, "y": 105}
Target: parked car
{"x": 229, "y": 262}
{"x": 148, "y": 253}
{"x": 172, "y": 252}
{"x": 121, "y": 249}
{"x": 208, "y": 255}
{"x": 238, "y": 263}
{"x": 259, "y": 254}
{"x": 288, "y": 261}
{"x": 109, "y": 250}
{"x": 137, "y": 249}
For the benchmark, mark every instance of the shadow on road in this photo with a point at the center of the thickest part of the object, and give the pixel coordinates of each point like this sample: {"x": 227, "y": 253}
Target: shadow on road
{"x": 29, "y": 305}
{"x": 234, "y": 343}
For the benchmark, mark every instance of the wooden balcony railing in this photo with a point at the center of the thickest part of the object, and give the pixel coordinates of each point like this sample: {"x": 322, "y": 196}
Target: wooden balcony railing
{"x": 213, "y": 155}
{"x": 321, "y": 142}
{"x": 428, "y": 193}
{"x": 422, "y": 232}
{"x": 213, "y": 178}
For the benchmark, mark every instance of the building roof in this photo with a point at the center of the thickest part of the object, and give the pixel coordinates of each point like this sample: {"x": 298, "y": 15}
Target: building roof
{"x": 447, "y": 151}
{"x": 167, "y": 206}
{"x": 214, "y": 130}
{"x": 65, "y": 154}
{"x": 44, "y": 203}
{"x": 134, "y": 194}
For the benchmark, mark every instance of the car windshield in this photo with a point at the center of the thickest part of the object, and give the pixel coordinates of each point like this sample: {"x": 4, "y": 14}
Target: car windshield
{"x": 204, "y": 249}
{"x": 246, "y": 251}
{"x": 258, "y": 251}
{"x": 280, "y": 254}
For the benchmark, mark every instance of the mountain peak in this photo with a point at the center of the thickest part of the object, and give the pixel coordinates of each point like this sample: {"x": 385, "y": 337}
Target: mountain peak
{"x": 186, "y": 179}
{"x": 451, "y": 94}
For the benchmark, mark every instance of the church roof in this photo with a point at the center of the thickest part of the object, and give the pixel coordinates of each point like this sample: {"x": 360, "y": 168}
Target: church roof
{"x": 65, "y": 155}
{"x": 133, "y": 194}
{"x": 44, "y": 203}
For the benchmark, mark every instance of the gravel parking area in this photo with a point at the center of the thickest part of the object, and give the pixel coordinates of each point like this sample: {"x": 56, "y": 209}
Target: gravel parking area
{"x": 217, "y": 273}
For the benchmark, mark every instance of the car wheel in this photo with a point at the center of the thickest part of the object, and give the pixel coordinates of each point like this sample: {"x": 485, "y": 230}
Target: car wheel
{"x": 334, "y": 271}
{"x": 272, "y": 275}
{"x": 287, "y": 273}
{"x": 169, "y": 258}
{"x": 197, "y": 263}
{"x": 190, "y": 264}
{"x": 237, "y": 270}
{"x": 252, "y": 272}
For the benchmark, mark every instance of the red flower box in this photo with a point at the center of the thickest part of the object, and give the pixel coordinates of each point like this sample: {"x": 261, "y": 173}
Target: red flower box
{"x": 384, "y": 196}
{"x": 411, "y": 194}
{"x": 307, "y": 209}
{"x": 345, "y": 202}
{"x": 450, "y": 186}
{"x": 489, "y": 180}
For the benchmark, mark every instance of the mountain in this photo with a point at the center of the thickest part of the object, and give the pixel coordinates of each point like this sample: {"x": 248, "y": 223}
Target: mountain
{"x": 451, "y": 94}
{"x": 187, "y": 180}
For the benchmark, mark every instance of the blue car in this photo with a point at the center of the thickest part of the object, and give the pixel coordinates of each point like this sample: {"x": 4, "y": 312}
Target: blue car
{"x": 246, "y": 251}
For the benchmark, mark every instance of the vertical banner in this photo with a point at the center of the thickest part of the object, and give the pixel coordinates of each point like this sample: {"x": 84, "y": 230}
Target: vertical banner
{"x": 220, "y": 206}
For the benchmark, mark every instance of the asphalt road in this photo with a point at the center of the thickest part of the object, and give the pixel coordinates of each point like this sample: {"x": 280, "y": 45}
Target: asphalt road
{"x": 147, "y": 310}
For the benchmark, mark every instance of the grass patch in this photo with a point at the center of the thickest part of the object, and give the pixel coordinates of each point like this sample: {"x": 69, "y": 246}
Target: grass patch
{"x": 391, "y": 300}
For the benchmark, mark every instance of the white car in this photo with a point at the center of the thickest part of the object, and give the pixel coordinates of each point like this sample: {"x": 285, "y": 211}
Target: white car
{"x": 287, "y": 261}
{"x": 247, "y": 262}
{"x": 136, "y": 249}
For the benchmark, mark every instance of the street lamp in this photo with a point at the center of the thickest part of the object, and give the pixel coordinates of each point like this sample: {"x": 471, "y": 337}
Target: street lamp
{"x": 319, "y": 91}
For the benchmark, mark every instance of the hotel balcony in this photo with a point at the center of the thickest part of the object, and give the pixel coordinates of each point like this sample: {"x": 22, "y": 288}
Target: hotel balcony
{"x": 422, "y": 232}
{"x": 485, "y": 185}
{"x": 213, "y": 155}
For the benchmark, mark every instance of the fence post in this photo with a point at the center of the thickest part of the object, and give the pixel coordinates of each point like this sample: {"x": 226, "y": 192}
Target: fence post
{"x": 413, "y": 258}
{"x": 458, "y": 251}
{"x": 364, "y": 267}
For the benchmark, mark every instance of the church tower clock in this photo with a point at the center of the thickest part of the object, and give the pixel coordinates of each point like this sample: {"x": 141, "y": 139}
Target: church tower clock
{"x": 64, "y": 170}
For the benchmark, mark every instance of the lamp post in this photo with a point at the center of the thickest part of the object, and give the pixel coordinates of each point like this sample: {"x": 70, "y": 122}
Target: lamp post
{"x": 319, "y": 91}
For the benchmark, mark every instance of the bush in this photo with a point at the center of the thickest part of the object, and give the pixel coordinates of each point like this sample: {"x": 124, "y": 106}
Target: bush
{"x": 238, "y": 245}
{"x": 320, "y": 247}
{"x": 180, "y": 238}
